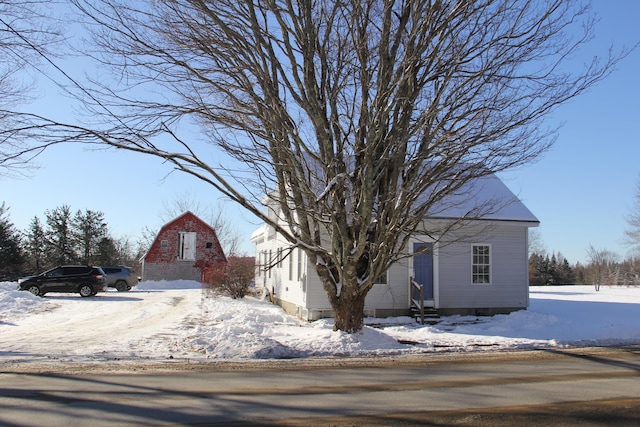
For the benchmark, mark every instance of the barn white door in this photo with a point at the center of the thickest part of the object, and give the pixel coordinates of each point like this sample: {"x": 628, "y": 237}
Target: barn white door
{"x": 187, "y": 246}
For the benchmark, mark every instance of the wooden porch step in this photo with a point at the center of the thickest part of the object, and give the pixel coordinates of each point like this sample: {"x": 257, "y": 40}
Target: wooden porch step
{"x": 430, "y": 314}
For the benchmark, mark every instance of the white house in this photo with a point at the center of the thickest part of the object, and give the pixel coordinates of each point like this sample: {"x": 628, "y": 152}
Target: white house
{"x": 478, "y": 268}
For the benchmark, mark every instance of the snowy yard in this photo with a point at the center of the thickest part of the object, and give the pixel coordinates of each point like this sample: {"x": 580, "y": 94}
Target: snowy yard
{"x": 160, "y": 321}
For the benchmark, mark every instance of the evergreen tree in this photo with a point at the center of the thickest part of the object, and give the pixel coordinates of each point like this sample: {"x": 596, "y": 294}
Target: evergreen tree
{"x": 35, "y": 244}
{"x": 550, "y": 271}
{"x": 539, "y": 270}
{"x": 59, "y": 238}
{"x": 553, "y": 270}
{"x": 533, "y": 269}
{"x": 580, "y": 274}
{"x": 564, "y": 274}
{"x": 88, "y": 230}
{"x": 11, "y": 257}
{"x": 107, "y": 252}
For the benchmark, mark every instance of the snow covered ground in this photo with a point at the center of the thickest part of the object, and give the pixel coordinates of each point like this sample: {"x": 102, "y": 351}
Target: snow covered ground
{"x": 162, "y": 321}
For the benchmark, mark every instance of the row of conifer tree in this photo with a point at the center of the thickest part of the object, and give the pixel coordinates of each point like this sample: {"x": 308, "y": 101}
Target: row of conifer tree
{"x": 63, "y": 237}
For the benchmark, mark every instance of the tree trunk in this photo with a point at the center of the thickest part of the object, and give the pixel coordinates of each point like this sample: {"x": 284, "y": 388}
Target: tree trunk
{"x": 348, "y": 311}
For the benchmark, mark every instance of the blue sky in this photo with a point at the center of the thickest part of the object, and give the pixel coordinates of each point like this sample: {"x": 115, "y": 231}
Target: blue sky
{"x": 580, "y": 190}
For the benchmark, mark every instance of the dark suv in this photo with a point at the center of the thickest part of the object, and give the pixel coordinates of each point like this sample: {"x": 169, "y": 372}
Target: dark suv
{"x": 84, "y": 279}
{"x": 120, "y": 277}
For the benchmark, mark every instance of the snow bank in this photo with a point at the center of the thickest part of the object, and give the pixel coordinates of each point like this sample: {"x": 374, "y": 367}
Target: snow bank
{"x": 16, "y": 304}
{"x": 177, "y": 320}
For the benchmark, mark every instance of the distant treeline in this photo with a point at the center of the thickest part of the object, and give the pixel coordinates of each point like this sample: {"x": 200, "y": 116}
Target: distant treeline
{"x": 64, "y": 237}
{"x": 603, "y": 268}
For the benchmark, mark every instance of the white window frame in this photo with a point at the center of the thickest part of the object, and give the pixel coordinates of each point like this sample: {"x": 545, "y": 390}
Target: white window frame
{"x": 264, "y": 262}
{"x": 481, "y": 264}
{"x": 290, "y": 265}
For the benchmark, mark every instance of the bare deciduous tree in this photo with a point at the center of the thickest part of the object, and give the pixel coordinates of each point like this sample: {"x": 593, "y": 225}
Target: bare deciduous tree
{"x": 632, "y": 232}
{"x": 601, "y": 264}
{"x": 25, "y": 37}
{"x": 536, "y": 242}
{"x": 356, "y": 118}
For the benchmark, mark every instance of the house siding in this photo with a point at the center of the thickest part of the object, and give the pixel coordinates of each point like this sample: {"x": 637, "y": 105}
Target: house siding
{"x": 272, "y": 274}
{"x": 508, "y": 289}
{"x": 292, "y": 290}
{"x": 383, "y": 300}
{"x": 394, "y": 295}
{"x": 307, "y": 298}
{"x": 316, "y": 295}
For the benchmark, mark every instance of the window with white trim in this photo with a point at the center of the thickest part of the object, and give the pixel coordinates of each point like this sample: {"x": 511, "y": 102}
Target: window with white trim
{"x": 290, "y": 265}
{"x": 382, "y": 280}
{"x": 264, "y": 261}
{"x": 481, "y": 264}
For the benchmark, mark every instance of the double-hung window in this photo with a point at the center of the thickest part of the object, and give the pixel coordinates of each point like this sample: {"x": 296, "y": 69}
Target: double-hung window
{"x": 290, "y": 265}
{"x": 481, "y": 264}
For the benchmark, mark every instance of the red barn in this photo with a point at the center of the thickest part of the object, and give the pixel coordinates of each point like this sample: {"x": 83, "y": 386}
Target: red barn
{"x": 185, "y": 248}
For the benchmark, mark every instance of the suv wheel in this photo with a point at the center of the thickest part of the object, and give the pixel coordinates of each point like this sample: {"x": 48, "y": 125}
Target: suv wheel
{"x": 35, "y": 290}
{"x": 122, "y": 286}
{"x": 86, "y": 291}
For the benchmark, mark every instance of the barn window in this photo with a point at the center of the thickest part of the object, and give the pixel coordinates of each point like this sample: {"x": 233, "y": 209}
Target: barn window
{"x": 164, "y": 244}
{"x": 481, "y": 264}
{"x": 209, "y": 245}
{"x": 187, "y": 246}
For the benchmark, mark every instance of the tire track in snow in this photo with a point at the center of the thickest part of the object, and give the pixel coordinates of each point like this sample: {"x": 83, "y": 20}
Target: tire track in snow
{"x": 111, "y": 325}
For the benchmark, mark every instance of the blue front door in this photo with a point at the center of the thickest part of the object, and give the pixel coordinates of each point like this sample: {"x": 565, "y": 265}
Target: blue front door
{"x": 423, "y": 267}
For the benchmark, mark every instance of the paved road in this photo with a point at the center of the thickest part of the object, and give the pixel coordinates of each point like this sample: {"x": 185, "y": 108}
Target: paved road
{"x": 561, "y": 387}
